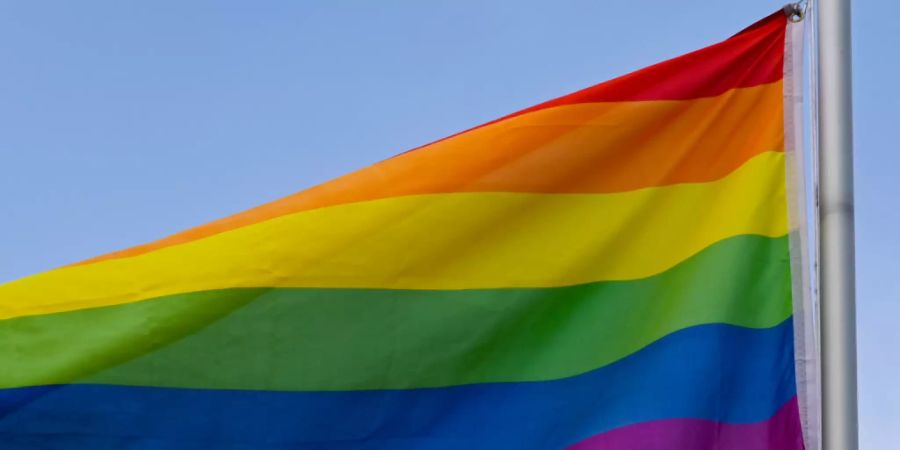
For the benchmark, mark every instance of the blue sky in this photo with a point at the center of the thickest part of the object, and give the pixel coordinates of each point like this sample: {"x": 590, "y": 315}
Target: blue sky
{"x": 124, "y": 121}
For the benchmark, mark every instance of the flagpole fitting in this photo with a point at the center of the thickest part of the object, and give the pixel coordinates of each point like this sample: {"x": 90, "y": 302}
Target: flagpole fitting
{"x": 795, "y": 12}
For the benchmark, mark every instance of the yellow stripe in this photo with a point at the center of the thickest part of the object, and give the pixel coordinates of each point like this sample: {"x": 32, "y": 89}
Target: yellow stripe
{"x": 438, "y": 241}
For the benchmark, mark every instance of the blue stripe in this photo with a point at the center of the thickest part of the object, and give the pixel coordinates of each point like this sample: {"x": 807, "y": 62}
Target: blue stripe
{"x": 717, "y": 372}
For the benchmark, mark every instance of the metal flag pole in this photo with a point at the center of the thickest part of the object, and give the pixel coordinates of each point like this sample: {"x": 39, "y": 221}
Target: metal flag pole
{"x": 836, "y": 248}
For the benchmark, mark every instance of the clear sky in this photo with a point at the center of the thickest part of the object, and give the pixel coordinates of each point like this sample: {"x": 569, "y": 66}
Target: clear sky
{"x": 124, "y": 121}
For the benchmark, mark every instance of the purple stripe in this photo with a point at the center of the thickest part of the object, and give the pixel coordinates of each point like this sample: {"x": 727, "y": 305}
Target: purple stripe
{"x": 781, "y": 432}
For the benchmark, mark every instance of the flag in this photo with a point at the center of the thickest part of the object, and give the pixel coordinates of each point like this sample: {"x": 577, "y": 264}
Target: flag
{"x": 607, "y": 270}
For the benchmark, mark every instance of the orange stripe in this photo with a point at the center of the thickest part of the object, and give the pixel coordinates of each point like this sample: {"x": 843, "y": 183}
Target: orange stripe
{"x": 580, "y": 148}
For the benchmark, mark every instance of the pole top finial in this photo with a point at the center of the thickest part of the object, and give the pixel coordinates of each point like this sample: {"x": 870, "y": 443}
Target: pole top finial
{"x": 795, "y": 12}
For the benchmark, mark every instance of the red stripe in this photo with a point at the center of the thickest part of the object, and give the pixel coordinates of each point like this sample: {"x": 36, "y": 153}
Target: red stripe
{"x": 752, "y": 57}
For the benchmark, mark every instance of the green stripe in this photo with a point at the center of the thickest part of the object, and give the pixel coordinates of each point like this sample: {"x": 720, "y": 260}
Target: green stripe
{"x": 345, "y": 339}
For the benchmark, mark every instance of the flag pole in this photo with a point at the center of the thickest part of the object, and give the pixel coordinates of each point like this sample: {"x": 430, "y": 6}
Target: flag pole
{"x": 836, "y": 247}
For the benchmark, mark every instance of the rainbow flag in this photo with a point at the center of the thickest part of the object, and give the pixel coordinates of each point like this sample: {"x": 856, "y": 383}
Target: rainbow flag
{"x": 607, "y": 270}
